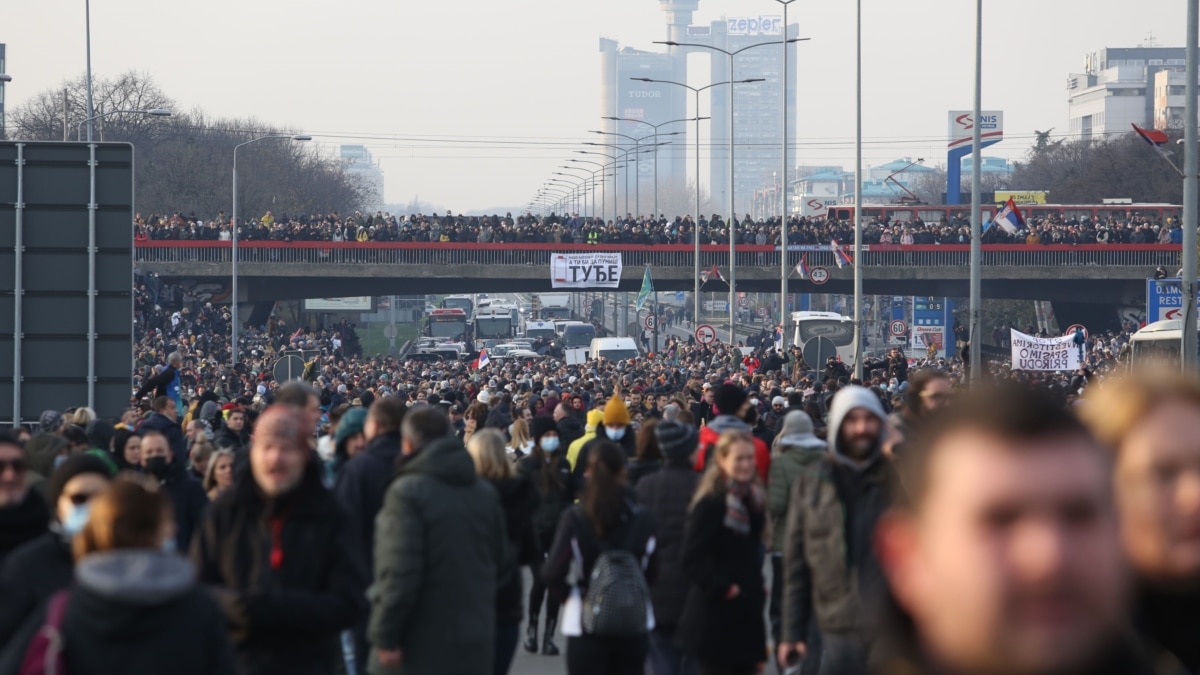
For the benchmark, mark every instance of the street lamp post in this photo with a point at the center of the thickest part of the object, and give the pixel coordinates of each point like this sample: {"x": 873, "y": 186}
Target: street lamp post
{"x": 233, "y": 313}
{"x": 783, "y": 198}
{"x": 152, "y": 112}
{"x": 696, "y": 225}
{"x": 91, "y": 109}
{"x": 655, "y": 128}
{"x": 637, "y": 189}
{"x": 858, "y": 200}
{"x": 732, "y": 205}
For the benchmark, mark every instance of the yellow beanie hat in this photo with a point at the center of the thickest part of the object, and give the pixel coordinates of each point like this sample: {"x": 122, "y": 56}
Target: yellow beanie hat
{"x": 615, "y": 412}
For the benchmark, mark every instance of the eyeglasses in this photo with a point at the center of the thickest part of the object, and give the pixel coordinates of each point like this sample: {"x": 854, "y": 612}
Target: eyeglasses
{"x": 17, "y": 465}
{"x": 80, "y": 498}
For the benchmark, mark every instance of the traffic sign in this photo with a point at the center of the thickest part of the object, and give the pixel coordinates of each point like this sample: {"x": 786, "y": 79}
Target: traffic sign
{"x": 1164, "y": 299}
{"x": 1072, "y": 327}
{"x": 649, "y": 322}
{"x": 679, "y": 296}
{"x": 706, "y": 334}
{"x": 743, "y": 302}
{"x": 898, "y": 328}
{"x": 290, "y": 367}
{"x": 816, "y": 350}
{"x": 762, "y": 312}
{"x": 819, "y": 275}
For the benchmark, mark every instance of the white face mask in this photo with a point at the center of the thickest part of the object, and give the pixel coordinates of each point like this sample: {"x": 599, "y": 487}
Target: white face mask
{"x": 550, "y": 443}
{"x": 615, "y": 433}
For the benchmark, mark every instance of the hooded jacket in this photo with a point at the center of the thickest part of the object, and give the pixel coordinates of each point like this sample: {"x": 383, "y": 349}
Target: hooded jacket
{"x": 135, "y": 611}
{"x": 441, "y": 555}
{"x": 720, "y": 424}
{"x": 795, "y": 449}
{"x": 831, "y": 514}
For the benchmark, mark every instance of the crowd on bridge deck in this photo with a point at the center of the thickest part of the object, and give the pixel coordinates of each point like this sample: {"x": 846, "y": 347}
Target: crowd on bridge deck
{"x": 643, "y": 230}
{"x": 293, "y": 506}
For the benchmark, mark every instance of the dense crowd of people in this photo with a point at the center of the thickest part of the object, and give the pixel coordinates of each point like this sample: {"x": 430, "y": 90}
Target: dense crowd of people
{"x": 647, "y": 230}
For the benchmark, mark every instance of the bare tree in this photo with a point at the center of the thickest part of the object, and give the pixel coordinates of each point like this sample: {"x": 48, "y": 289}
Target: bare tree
{"x": 1086, "y": 172}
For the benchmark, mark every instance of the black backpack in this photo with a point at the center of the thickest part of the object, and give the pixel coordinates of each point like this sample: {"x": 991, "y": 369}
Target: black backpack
{"x": 617, "y": 597}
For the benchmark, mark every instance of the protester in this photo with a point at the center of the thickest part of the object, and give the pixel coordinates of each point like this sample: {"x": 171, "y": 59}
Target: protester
{"x": 667, "y": 496}
{"x": 518, "y": 498}
{"x": 23, "y": 512}
{"x": 280, "y": 555}
{"x": 1150, "y": 421}
{"x": 722, "y": 621}
{"x": 648, "y": 457}
{"x": 436, "y": 618}
{"x": 188, "y": 498}
{"x": 731, "y": 405}
{"x": 1002, "y": 552}
{"x": 219, "y": 476}
{"x": 827, "y": 543}
{"x": 164, "y": 422}
{"x": 606, "y": 520}
{"x": 550, "y": 474}
{"x": 133, "y": 608}
{"x": 34, "y": 571}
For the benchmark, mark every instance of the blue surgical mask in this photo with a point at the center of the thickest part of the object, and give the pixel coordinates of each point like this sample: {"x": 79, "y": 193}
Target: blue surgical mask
{"x": 550, "y": 443}
{"x": 76, "y": 519}
{"x": 59, "y": 460}
{"x": 615, "y": 433}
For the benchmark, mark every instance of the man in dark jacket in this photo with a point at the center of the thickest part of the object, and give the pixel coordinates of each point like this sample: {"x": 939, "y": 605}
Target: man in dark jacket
{"x": 165, "y": 421}
{"x": 827, "y": 546}
{"x": 436, "y": 618}
{"x": 188, "y": 500}
{"x": 666, "y": 494}
{"x": 281, "y": 556}
{"x": 363, "y": 482}
{"x": 1003, "y": 554}
{"x": 570, "y": 428}
{"x": 233, "y": 435}
{"x": 23, "y": 512}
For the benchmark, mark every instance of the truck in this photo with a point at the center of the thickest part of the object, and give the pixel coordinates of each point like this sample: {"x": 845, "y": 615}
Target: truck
{"x": 554, "y": 306}
{"x": 493, "y": 323}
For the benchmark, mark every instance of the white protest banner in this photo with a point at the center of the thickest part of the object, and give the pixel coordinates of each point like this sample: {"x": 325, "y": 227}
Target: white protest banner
{"x": 1034, "y": 353}
{"x": 585, "y": 270}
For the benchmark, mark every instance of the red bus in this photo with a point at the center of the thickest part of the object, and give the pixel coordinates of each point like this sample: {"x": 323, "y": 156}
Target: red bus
{"x": 447, "y": 323}
{"x": 934, "y": 213}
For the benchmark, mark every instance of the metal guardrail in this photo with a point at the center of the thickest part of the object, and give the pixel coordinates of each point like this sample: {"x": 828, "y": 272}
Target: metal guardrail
{"x": 519, "y": 255}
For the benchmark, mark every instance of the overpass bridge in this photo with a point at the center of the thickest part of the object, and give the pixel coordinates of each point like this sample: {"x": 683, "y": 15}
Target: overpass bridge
{"x": 1086, "y": 274}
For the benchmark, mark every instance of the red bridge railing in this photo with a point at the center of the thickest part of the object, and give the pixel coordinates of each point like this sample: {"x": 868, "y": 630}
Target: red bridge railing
{"x": 879, "y": 255}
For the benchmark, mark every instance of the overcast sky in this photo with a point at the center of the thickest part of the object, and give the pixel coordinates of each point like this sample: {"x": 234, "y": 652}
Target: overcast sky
{"x": 504, "y": 87}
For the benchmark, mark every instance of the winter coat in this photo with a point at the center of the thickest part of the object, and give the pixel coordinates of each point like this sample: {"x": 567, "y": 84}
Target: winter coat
{"x": 635, "y": 524}
{"x": 713, "y": 628}
{"x": 31, "y": 575}
{"x": 232, "y": 440}
{"x": 174, "y": 433}
{"x": 361, "y": 486}
{"x": 720, "y": 424}
{"x": 22, "y": 523}
{"x": 188, "y": 502}
{"x": 552, "y": 499}
{"x": 135, "y": 611}
{"x": 287, "y": 572}
{"x": 666, "y": 495}
{"x": 785, "y": 467}
{"x": 570, "y": 429}
{"x": 628, "y": 444}
{"x": 518, "y": 498}
{"x": 440, "y": 559}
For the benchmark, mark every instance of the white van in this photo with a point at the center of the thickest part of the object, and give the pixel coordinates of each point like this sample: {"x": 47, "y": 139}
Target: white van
{"x": 614, "y": 349}
{"x": 540, "y": 329}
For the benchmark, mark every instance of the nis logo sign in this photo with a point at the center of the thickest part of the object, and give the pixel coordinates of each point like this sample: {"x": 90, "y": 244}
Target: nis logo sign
{"x": 986, "y": 121}
{"x": 962, "y": 124}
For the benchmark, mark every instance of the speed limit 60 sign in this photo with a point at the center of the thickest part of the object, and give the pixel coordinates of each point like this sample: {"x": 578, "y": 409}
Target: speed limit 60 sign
{"x": 898, "y": 328}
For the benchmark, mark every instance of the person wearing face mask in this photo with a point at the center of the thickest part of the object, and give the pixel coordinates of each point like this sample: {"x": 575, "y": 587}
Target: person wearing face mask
{"x": 185, "y": 492}
{"x": 550, "y": 474}
{"x": 42, "y": 566}
{"x": 616, "y": 428}
{"x": 133, "y": 607}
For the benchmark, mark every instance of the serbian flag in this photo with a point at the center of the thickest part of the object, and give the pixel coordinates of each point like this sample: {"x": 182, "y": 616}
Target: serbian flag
{"x": 1154, "y": 137}
{"x": 839, "y": 256}
{"x": 802, "y": 266}
{"x": 1009, "y": 218}
{"x": 482, "y": 361}
{"x": 715, "y": 273}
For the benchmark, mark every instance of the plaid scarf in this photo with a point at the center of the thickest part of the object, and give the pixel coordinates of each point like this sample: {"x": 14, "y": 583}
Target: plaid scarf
{"x": 740, "y": 498}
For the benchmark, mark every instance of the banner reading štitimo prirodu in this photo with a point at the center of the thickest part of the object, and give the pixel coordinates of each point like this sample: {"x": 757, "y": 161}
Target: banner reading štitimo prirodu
{"x": 1034, "y": 353}
{"x": 585, "y": 270}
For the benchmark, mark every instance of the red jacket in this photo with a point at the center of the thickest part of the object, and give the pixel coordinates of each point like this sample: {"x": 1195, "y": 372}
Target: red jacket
{"x": 708, "y": 441}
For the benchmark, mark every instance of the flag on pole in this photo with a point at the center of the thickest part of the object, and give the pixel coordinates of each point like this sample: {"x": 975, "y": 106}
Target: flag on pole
{"x": 802, "y": 266}
{"x": 1009, "y": 219}
{"x": 482, "y": 361}
{"x": 715, "y": 273}
{"x": 839, "y": 256}
{"x": 647, "y": 289}
{"x": 1157, "y": 139}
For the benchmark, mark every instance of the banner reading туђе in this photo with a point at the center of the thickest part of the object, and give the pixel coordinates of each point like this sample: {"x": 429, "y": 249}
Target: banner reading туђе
{"x": 1034, "y": 353}
{"x": 585, "y": 270}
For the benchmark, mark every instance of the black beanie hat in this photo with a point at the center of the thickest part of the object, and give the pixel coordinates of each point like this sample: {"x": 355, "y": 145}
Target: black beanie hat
{"x": 542, "y": 425}
{"x": 729, "y": 398}
{"x": 75, "y": 466}
{"x": 676, "y": 440}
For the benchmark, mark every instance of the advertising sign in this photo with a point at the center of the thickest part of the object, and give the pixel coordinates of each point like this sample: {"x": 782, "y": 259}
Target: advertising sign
{"x": 1022, "y": 197}
{"x": 962, "y": 126}
{"x": 1164, "y": 299}
{"x": 1033, "y": 353}
{"x": 758, "y": 25}
{"x": 933, "y": 315}
{"x": 585, "y": 270}
{"x": 359, "y": 304}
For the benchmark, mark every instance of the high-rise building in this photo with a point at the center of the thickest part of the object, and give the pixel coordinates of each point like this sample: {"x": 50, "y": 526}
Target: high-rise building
{"x": 1117, "y": 88}
{"x": 758, "y": 123}
{"x": 357, "y": 162}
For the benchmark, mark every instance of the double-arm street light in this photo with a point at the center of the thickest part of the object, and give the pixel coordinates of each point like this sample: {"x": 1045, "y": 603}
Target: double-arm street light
{"x": 152, "y": 112}
{"x": 637, "y": 185}
{"x": 233, "y": 313}
{"x": 732, "y": 207}
{"x": 604, "y": 182}
{"x": 696, "y": 225}
{"x": 655, "y": 128}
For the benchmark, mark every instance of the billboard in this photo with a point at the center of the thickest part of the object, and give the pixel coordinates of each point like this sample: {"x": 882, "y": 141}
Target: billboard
{"x": 755, "y": 25}
{"x": 585, "y": 270}
{"x": 66, "y": 277}
{"x": 962, "y": 127}
{"x": 1022, "y": 197}
{"x": 359, "y": 304}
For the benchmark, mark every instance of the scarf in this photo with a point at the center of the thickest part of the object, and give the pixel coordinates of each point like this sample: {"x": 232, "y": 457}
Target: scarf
{"x": 737, "y": 511}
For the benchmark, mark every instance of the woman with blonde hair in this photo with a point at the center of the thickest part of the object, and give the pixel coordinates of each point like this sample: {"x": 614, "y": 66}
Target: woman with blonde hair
{"x": 134, "y": 606}
{"x": 219, "y": 476}
{"x": 1150, "y": 421}
{"x": 518, "y": 498}
{"x": 722, "y": 621}
{"x": 520, "y": 444}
